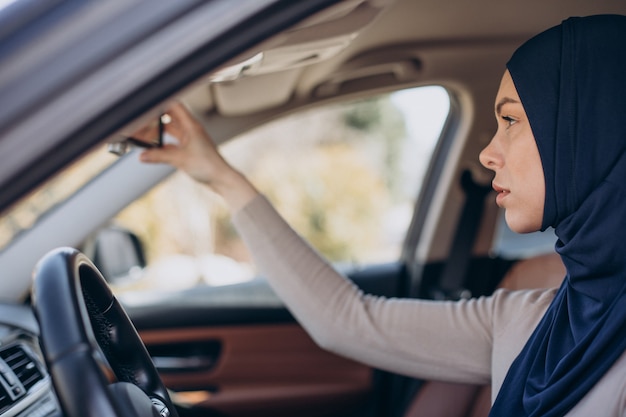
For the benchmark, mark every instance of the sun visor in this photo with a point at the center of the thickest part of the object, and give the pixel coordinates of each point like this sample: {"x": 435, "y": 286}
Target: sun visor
{"x": 252, "y": 94}
{"x": 241, "y": 86}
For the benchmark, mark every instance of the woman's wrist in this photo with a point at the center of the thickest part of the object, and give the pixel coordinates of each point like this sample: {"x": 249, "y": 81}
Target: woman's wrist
{"x": 236, "y": 190}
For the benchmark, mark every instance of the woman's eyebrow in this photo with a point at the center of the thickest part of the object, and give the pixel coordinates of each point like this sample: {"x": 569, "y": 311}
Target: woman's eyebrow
{"x": 503, "y": 101}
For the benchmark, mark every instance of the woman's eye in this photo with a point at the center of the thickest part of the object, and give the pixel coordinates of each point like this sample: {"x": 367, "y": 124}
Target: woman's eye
{"x": 509, "y": 121}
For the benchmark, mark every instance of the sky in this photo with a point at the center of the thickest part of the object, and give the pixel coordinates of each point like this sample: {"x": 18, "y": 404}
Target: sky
{"x": 425, "y": 110}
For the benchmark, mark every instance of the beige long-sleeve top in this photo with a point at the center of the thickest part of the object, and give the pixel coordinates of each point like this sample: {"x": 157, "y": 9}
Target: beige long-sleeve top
{"x": 473, "y": 341}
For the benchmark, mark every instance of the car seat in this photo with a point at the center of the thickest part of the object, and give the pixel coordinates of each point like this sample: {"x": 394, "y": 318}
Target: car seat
{"x": 446, "y": 399}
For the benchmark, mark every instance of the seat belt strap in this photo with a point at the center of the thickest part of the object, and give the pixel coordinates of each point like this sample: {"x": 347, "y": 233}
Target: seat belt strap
{"x": 452, "y": 282}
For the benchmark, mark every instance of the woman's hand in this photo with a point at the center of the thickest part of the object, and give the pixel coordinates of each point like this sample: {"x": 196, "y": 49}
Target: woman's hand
{"x": 195, "y": 152}
{"x": 197, "y": 155}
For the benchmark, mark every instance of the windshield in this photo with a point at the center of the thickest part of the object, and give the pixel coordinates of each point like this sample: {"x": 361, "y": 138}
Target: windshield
{"x": 28, "y": 211}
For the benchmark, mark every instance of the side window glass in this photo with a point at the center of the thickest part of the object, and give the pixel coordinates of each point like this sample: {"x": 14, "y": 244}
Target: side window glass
{"x": 345, "y": 176}
{"x": 511, "y": 245}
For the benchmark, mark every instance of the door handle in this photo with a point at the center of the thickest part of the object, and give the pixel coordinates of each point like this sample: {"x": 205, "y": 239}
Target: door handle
{"x": 191, "y": 356}
{"x": 183, "y": 363}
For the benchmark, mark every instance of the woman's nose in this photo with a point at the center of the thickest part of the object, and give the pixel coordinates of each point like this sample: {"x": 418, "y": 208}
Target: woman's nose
{"x": 488, "y": 157}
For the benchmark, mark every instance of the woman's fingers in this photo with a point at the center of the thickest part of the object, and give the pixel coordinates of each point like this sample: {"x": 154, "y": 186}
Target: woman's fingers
{"x": 165, "y": 155}
{"x": 195, "y": 153}
{"x": 183, "y": 124}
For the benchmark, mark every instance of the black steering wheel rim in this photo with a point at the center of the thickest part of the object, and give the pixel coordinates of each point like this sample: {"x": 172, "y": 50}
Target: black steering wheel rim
{"x": 94, "y": 355}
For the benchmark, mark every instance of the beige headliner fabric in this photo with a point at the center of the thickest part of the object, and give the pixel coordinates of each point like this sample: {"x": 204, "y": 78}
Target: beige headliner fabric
{"x": 471, "y": 341}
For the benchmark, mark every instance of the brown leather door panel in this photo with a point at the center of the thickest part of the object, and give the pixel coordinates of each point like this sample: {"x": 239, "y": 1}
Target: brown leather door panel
{"x": 258, "y": 370}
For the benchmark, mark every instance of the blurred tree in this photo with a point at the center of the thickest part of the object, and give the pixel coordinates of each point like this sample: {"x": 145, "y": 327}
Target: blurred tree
{"x": 330, "y": 172}
{"x": 331, "y": 196}
{"x": 380, "y": 121}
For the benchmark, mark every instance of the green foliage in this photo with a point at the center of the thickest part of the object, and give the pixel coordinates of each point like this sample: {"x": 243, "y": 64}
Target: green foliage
{"x": 365, "y": 116}
{"x": 331, "y": 196}
{"x": 378, "y": 120}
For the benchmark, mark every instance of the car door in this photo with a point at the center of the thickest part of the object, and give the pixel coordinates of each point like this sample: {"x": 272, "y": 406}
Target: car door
{"x": 247, "y": 360}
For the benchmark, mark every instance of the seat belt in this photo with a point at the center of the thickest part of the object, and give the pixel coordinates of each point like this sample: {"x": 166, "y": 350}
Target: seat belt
{"x": 452, "y": 281}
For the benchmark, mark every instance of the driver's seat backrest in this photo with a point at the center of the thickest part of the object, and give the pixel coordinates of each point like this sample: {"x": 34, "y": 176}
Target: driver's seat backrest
{"x": 446, "y": 399}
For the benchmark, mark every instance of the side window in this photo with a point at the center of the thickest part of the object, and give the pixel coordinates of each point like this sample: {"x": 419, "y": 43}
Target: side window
{"x": 511, "y": 245}
{"x": 344, "y": 176}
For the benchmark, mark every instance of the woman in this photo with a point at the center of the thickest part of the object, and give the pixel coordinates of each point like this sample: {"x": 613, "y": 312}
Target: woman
{"x": 559, "y": 158}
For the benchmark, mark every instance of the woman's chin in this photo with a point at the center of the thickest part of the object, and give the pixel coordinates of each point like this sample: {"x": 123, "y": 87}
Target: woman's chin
{"x": 521, "y": 224}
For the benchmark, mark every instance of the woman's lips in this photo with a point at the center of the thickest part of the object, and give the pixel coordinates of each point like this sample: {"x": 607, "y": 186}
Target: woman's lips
{"x": 502, "y": 193}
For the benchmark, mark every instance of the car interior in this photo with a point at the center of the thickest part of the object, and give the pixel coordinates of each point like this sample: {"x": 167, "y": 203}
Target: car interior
{"x": 77, "y": 77}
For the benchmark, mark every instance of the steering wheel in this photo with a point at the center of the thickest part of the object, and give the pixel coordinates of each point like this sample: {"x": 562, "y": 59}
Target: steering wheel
{"x": 98, "y": 364}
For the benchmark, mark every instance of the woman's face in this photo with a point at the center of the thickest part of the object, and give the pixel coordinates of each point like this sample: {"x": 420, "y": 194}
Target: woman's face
{"x": 513, "y": 156}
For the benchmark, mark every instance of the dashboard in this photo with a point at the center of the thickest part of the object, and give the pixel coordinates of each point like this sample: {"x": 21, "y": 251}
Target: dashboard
{"x": 25, "y": 386}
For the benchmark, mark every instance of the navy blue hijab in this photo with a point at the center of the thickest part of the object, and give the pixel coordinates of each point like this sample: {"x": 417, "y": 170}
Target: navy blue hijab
{"x": 571, "y": 80}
